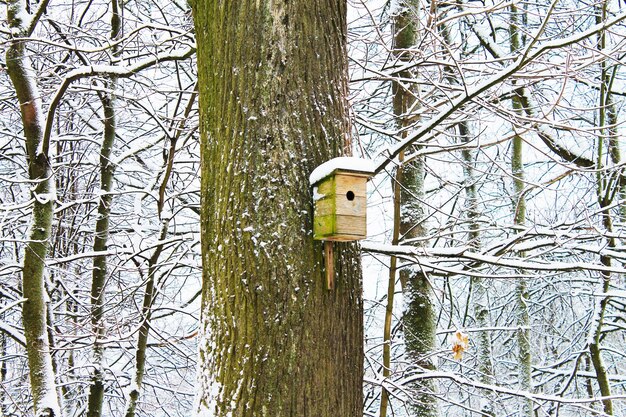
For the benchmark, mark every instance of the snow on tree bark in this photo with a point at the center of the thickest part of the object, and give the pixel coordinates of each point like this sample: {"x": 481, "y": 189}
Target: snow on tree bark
{"x": 607, "y": 118}
{"x": 419, "y": 315}
{"x": 273, "y": 85}
{"x": 99, "y": 274}
{"x": 34, "y": 311}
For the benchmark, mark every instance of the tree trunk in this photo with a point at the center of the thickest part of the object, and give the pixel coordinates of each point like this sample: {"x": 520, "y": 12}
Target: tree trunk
{"x": 34, "y": 312}
{"x": 479, "y": 293}
{"x": 519, "y": 218}
{"x": 391, "y": 289}
{"x": 478, "y": 300}
{"x": 151, "y": 287}
{"x": 4, "y": 409}
{"x": 99, "y": 273}
{"x": 607, "y": 118}
{"x": 141, "y": 354}
{"x": 419, "y": 315}
{"x": 273, "y": 84}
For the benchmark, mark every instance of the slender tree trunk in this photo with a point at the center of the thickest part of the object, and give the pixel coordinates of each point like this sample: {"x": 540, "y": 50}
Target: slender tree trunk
{"x": 144, "y": 326}
{"x": 479, "y": 290}
{"x": 519, "y": 219}
{"x": 273, "y": 84}
{"x": 34, "y": 311}
{"x": 478, "y": 299}
{"x": 521, "y": 293}
{"x": 99, "y": 272}
{"x": 4, "y": 409}
{"x": 150, "y": 291}
{"x": 600, "y": 309}
{"x": 607, "y": 117}
{"x": 391, "y": 289}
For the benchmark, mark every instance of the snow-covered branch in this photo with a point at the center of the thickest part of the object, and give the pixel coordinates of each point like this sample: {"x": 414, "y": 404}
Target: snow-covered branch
{"x": 118, "y": 71}
{"x": 464, "y": 255}
{"x": 448, "y": 107}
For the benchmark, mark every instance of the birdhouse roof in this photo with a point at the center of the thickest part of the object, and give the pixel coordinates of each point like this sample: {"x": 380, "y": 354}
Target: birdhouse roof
{"x": 342, "y": 164}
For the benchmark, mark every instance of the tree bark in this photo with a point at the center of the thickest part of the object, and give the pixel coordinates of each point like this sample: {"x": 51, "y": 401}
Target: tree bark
{"x": 479, "y": 287}
{"x": 273, "y": 85}
{"x": 34, "y": 311}
{"x": 419, "y": 315}
{"x": 99, "y": 273}
{"x": 607, "y": 118}
{"x": 519, "y": 219}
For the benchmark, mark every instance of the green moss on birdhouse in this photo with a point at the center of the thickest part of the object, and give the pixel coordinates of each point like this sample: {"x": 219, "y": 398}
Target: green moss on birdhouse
{"x": 341, "y": 206}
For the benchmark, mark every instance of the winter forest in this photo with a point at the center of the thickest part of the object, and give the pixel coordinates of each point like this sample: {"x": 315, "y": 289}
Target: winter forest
{"x": 157, "y": 252}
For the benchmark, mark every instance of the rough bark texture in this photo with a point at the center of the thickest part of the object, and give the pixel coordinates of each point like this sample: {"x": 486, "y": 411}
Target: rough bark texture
{"x": 34, "y": 312}
{"x": 272, "y": 82}
{"x": 419, "y": 315}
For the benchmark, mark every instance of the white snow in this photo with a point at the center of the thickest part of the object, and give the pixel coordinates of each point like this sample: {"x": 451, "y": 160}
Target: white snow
{"x": 465, "y": 253}
{"x": 13, "y": 332}
{"x": 344, "y": 163}
{"x": 45, "y": 198}
{"x": 316, "y": 195}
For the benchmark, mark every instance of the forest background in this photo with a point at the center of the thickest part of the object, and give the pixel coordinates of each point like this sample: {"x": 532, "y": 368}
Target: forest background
{"x": 493, "y": 272}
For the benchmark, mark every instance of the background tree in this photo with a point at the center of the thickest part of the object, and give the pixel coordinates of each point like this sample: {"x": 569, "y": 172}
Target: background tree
{"x": 108, "y": 184}
{"x": 470, "y": 73}
{"x": 99, "y": 275}
{"x": 35, "y": 309}
{"x": 419, "y": 318}
{"x": 567, "y": 79}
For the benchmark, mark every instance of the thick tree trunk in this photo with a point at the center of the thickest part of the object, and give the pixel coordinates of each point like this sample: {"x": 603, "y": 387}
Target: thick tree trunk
{"x": 276, "y": 342}
{"x": 34, "y": 312}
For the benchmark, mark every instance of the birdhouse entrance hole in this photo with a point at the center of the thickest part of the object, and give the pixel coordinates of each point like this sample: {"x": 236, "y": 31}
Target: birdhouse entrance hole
{"x": 350, "y": 195}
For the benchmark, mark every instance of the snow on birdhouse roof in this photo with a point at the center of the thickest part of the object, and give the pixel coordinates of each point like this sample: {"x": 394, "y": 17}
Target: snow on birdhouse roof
{"x": 343, "y": 163}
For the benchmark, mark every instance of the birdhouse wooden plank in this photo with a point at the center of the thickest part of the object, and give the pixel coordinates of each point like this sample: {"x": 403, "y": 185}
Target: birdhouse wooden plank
{"x": 340, "y": 194}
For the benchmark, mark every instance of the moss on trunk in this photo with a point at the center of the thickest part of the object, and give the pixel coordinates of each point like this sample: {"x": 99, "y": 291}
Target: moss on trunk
{"x": 34, "y": 312}
{"x": 272, "y": 82}
{"x": 419, "y": 315}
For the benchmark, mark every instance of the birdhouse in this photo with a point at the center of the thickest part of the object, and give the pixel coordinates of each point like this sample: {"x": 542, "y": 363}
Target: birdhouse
{"x": 339, "y": 193}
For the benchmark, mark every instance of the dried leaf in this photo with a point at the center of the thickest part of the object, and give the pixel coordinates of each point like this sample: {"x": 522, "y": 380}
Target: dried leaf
{"x": 459, "y": 344}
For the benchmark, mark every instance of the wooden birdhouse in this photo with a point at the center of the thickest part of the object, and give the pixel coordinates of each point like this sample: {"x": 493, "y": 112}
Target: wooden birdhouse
{"x": 339, "y": 193}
